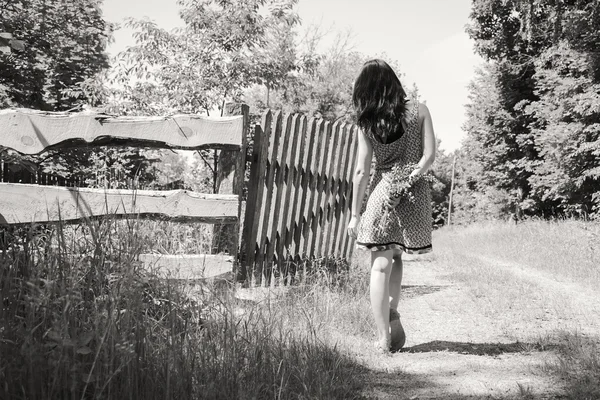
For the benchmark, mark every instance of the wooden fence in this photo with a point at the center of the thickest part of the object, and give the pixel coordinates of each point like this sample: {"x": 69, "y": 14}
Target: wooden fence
{"x": 31, "y": 132}
{"x": 299, "y": 195}
{"x": 299, "y": 189}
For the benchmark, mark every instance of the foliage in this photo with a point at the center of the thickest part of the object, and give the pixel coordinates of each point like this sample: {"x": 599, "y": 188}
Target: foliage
{"x": 321, "y": 84}
{"x": 60, "y": 67}
{"x": 64, "y": 44}
{"x": 532, "y": 135}
{"x": 223, "y": 48}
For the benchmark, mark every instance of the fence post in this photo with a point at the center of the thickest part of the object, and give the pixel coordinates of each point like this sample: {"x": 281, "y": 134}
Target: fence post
{"x": 230, "y": 180}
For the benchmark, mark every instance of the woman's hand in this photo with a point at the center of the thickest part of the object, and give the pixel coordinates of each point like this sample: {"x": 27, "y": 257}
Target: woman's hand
{"x": 413, "y": 176}
{"x": 392, "y": 202}
{"x": 353, "y": 227}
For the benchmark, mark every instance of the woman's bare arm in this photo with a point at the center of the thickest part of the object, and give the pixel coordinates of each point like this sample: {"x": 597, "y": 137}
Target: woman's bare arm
{"x": 360, "y": 180}
{"x": 361, "y": 172}
{"x": 429, "y": 142}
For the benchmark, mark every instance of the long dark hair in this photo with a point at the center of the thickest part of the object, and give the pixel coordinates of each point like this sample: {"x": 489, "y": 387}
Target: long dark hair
{"x": 379, "y": 99}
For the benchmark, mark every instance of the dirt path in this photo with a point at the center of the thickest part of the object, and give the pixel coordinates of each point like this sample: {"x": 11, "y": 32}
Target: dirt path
{"x": 453, "y": 349}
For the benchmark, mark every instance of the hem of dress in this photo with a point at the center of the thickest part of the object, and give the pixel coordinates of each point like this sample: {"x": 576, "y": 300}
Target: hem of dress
{"x": 395, "y": 246}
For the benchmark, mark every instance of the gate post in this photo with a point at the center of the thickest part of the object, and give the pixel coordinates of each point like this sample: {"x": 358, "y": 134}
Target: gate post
{"x": 230, "y": 180}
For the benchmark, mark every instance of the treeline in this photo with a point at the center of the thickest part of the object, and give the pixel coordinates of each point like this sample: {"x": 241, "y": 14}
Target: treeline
{"x": 533, "y": 129}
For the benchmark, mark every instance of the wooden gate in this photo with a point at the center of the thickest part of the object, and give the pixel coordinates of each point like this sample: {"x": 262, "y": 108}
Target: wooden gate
{"x": 31, "y": 132}
{"x": 299, "y": 195}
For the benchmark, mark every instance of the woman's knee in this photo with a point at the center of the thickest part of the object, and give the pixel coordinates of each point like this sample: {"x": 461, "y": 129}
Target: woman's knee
{"x": 382, "y": 262}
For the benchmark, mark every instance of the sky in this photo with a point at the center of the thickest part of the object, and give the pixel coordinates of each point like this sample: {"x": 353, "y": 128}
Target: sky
{"x": 426, "y": 37}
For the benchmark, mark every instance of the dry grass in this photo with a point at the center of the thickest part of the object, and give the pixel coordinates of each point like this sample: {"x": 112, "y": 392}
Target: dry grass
{"x": 539, "y": 281}
{"x": 81, "y": 319}
{"x": 565, "y": 249}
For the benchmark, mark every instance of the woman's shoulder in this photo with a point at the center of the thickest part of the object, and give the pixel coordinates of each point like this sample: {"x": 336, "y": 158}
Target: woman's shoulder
{"x": 413, "y": 106}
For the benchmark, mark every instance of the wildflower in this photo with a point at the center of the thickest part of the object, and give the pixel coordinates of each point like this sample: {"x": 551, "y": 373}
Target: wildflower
{"x": 399, "y": 185}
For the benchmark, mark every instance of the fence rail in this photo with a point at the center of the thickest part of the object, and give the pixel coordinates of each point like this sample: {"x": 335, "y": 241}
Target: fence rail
{"x": 299, "y": 194}
{"x": 31, "y": 132}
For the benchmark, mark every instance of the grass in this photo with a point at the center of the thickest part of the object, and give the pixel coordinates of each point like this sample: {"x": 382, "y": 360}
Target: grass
{"x": 540, "y": 304}
{"x": 565, "y": 249}
{"x": 81, "y": 319}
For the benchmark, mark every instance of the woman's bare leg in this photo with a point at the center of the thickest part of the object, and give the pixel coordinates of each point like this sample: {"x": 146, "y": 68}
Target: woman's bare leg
{"x": 381, "y": 267}
{"x": 398, "y": 337}
{"x": 396, "y": 280}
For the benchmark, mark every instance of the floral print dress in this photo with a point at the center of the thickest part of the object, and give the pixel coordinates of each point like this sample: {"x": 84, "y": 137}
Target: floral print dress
{"x": 409, "y": 228}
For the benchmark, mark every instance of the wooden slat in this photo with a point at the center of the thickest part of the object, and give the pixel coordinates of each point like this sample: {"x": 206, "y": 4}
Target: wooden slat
{"x": 189, "y": 266}
{"x": 277, "y": 214}
{"x": 21, "y": 203}
{"x": 266, "y": 216}
{"x": 286, "y": 223}
{"x": 320, "y": 189}
{"x": 296, "y": 215}
{"x": 337, "y": 196}
{"x": 255, "y": 197}
{"x": 308, "y": 159}
{"x": 341, "y": 211}
{"x": 329, "y": 202}
{"x": 264, "y": 181}
{"x": 309, "y": 231}
{"x": 31, "y": 132}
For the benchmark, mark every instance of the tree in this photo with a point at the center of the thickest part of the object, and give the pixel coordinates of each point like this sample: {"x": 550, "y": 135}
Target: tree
{"x": 224, "y": 47}
{"x": 62, "y": 43}
{"x": 216, "y": 55}
{"x": 542, "y": 61}
{"x": 321, "y": 83}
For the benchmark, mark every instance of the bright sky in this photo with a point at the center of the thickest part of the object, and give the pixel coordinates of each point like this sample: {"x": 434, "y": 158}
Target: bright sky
{"x": 426, "y": 37}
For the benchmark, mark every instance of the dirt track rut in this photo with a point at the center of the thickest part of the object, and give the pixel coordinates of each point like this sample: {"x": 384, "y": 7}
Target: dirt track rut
{"x": 453, "y": 349}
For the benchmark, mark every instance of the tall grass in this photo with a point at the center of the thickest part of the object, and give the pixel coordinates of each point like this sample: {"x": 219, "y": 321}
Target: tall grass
{"x": 567, "y": 251}
{"x": 82, "y": 319}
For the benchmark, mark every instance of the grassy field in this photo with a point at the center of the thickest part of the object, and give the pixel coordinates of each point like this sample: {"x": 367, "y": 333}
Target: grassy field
{"x": 80, "y": 318}
{"x": 541, "y": 281}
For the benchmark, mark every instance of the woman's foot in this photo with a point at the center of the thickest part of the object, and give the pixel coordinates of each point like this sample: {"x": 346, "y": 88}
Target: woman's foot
{"x": 398, "y": 337}
{"x": 383, "y": 345}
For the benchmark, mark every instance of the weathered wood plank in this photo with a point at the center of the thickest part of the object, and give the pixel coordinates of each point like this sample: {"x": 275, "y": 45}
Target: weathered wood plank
{"x": 268, "y": 211}
{"x": 262, "y": 197}
{"x": 290, "y": 163}
{"x": 253, "y": 203}
{"x": 309, "y": 226}
{"x": 295, "y": 215}
{"x": 336, "y": 196}
{"x": 341, "y": 211}
{"x": 320, "y": 191}
{"x": 31, "y": 132}
{"x": 329, "y": 200}
{"x": 277, "y": 216}
{"x": 21, "y": 203}
{"x": 189, "y": 266}
{"x": 304, "y": 210}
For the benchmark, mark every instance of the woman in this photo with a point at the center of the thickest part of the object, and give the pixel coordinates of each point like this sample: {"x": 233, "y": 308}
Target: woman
{"x": 397, "y": 131}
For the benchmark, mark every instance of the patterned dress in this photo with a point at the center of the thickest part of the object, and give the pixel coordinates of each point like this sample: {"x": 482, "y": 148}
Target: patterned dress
{"x": 409, "y": 225}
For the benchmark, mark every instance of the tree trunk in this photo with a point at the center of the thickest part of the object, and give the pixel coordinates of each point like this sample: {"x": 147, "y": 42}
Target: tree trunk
{"x": 558, "y": 21}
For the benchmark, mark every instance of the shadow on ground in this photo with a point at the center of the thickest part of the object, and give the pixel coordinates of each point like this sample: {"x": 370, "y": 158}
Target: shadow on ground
{"x": 410, "y": 291}
{"x": 478, "y": 349}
